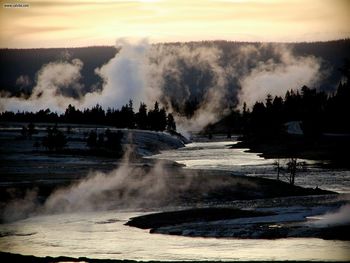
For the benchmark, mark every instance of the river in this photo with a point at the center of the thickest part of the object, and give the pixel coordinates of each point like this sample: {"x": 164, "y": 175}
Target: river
{"x": 103, "y": 234}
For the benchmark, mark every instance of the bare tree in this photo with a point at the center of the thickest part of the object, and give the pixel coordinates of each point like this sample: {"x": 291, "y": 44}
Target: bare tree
{"x": 277, "y": 163}
{"x": 293, "y": 166}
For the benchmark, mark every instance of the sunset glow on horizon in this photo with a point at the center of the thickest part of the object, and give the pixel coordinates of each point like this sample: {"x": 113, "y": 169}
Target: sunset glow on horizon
{"x": 63, "y": 23}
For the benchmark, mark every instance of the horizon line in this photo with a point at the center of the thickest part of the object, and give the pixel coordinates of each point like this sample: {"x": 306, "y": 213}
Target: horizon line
{"x": 188, "y": 42}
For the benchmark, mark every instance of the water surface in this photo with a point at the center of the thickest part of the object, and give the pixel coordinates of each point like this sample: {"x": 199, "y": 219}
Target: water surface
{"x": 103, "y": 234}
{"x": 220, "y": 156}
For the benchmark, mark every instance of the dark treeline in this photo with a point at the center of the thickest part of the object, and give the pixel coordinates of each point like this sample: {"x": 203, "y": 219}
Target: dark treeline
{"x": 305, "y": 123}
{"x": 155, "y": 119}
{"x": 317, "y": 112}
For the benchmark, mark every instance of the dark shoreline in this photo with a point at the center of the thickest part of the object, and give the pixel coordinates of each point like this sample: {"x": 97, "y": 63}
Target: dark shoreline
{"x": 331, "y": 152}
{"x": 154, "y": 221}
{"x": 220, "y": 223}
{"x": 10, "y": 257}
{"x": 266, "y": 218}
{"x": 202, "y": 188}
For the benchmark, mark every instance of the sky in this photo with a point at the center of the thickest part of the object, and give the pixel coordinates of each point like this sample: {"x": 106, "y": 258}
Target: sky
{"x": 62, "y": 23}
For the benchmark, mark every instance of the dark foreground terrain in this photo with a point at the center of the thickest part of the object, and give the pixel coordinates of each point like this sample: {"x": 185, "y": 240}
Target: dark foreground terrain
{"x": 154, "y": 221}
{"x": 330, "y": 151}
{"x": 196, "y": 203}
{"x": 9, "y": 257}
{"x": 238, "y": 223}
{"x": 158, "y": 186}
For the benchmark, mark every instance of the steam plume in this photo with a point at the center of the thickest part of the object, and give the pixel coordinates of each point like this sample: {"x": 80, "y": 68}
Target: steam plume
{"x": 277, "y": 77}
{"x": 124, "y": 77}
{"x": 126, "y": 187}
{"x": 182, "y": 73}
{"x": 52, "y": 84}
{"x": 340, "y": 217}
{"x": 175, "y": 74}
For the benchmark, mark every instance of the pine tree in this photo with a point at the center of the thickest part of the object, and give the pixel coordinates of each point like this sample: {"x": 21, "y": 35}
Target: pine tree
{"x": 171, "y": 126}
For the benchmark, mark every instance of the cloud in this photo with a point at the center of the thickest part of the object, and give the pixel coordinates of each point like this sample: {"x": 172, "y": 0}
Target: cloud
{"x": 41, "y": 29}
{"x": 173, "y": 21}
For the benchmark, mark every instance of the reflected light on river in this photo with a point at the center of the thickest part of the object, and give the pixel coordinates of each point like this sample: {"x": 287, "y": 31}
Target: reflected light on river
{"x": 104, "y": 235}
{"x": 215, "y": 155}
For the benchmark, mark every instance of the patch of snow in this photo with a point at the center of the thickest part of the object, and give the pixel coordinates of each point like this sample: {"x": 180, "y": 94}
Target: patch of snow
{"x": 151, "y": 142}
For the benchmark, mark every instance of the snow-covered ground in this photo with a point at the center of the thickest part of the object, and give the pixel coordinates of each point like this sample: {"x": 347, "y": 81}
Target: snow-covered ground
{"x": 20, "y": 161}
{"x": 151, "y": 142}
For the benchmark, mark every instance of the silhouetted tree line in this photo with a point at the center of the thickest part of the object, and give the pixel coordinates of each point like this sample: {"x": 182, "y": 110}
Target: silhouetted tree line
{"x": 155, "y": 119}
{"x": 108, "y": 140}
{"x": 54, "y": 140}
{"x": 317, "y": 111}
{"x": 28, "y": 131}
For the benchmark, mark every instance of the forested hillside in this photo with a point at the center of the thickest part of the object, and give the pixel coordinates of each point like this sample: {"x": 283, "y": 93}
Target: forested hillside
{"x": 18, "y": 67}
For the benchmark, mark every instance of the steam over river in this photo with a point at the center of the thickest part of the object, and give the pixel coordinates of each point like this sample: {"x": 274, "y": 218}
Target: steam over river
{"x": 103, "y": 234}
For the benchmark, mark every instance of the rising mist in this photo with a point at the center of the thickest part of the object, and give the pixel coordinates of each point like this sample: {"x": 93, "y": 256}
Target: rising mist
{"x": 211, "y": 79}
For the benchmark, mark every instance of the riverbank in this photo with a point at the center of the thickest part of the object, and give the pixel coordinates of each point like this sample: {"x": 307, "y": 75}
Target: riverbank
{"x": 156, "y": 185}
{"x": 329, "y": 151}
{"x": 86, "y": 212}
{"x": 296, "y": 221}
{"x": 30, "y": 181}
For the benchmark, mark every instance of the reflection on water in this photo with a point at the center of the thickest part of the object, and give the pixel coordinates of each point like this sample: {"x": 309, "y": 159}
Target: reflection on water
{"x": 104, "y": 235}
{"x": 213, "y": 155}
{"x": 85, "y": 235}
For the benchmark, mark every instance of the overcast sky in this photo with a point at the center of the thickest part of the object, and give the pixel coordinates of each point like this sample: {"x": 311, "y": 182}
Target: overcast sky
{"x": 64, "y": 23}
